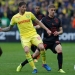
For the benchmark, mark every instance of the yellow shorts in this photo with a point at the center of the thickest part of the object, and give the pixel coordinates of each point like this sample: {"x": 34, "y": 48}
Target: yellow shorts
{"x": 35, "y": 40}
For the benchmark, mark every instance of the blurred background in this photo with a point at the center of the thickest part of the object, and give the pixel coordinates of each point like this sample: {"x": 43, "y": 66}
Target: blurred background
{"x": 65, "y": 10}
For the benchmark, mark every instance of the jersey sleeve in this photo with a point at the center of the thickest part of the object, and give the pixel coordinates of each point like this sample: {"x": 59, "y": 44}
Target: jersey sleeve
{"x": 33, "y": 17}
{"x": 42, "y": 20}
{"x": 60, "y": 23}
{"x": 12, "y": 22}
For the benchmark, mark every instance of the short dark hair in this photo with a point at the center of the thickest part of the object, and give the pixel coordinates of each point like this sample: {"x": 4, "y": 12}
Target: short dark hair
{"x": 51, "y": 6}
{"x": 21, "y": 3}
{"x": 37, "y": 5}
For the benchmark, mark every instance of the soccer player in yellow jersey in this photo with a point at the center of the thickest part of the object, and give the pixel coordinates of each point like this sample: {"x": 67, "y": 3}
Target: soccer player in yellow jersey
{"x": 28, "y": 34}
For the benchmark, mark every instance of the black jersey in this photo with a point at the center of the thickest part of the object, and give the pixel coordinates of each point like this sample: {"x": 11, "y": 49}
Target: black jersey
{"x": 53, "y": 24}
{"x": 39, "y": 16}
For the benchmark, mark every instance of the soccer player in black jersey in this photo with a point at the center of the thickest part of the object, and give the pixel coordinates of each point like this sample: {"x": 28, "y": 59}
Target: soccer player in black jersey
{"x": 39, "y": 16}
{"x": 52, "y": 42}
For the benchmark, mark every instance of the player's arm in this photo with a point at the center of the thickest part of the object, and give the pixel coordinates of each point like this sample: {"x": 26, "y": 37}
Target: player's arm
{"x": 12, "y": 23}
{"x": 60, "y": 30}
{"x": 43, "y": 26}
{"x": 37, "y": 26}
{"x": 40, "y": 24}
{"x": 6, "y": 28}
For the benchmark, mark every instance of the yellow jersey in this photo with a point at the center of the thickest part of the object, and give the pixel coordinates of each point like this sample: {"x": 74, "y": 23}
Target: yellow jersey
{"x": 24, "y": 24}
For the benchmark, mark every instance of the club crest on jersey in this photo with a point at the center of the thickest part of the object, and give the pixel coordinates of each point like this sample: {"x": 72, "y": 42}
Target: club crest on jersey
{"x": 28, "y": 16}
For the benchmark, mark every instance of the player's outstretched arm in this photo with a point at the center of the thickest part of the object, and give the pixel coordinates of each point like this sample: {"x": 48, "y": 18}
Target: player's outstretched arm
{"x": 6, "y": 29}
{"x": 43, "y": 26}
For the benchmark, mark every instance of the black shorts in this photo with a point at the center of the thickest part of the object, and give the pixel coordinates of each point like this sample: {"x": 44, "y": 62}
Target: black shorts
{"x": 51, "y": 46}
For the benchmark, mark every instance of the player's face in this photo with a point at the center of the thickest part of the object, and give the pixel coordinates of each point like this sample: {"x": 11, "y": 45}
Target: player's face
{"x": 51, "y": 11}
{"x": 22, "y": 8}
{"x": 37, "y": 9}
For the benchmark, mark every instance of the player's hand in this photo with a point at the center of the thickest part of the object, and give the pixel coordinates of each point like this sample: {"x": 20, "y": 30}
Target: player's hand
{"x": 49, "y": 32}
{"x": 56, "y": 33}
{"x": 37, "y": 26}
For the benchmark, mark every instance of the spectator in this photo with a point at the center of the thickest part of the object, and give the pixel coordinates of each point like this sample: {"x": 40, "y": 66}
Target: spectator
{"x": 1, "y": 10}
{"x": 73, "y": 21}
{"x": 62, "y": 6}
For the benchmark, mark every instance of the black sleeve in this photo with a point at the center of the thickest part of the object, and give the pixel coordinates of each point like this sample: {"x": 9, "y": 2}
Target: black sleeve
{"x": 42, "y": 20}
{"x": 60, "y": 23}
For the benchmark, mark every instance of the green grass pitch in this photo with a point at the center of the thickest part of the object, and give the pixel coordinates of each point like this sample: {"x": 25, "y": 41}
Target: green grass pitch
{"x": 13, "y": 54}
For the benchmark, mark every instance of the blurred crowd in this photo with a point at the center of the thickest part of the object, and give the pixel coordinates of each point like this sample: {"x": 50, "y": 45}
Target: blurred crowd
{"x": 65, "y": 10}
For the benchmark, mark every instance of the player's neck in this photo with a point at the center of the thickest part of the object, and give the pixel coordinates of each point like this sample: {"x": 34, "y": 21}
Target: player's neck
{"x": 51, "y": 16}
{"x": 21, "y": 13}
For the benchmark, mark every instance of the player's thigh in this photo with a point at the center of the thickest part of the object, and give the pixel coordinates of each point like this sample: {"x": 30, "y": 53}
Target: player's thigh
{"x": 26, "y": 42}
{"x": 46, "y": 46}
{"x": 58, "y": 48}
{"x": 36, "y": 40}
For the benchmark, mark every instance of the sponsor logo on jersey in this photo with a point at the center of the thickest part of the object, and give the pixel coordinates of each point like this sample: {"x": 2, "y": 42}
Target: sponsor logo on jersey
{"x": 23, "y": 21}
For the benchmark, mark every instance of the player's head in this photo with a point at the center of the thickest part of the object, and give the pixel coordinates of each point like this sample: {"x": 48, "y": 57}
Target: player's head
{"x": 22, "y": 7}
{"x": 37, "y": 8}
{"x": 51, "y": 10}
